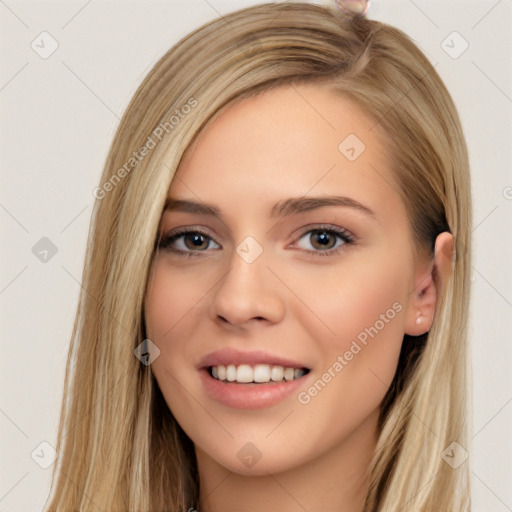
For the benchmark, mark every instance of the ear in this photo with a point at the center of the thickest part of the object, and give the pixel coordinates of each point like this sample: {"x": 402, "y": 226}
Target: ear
{"x": 429, "y": 282}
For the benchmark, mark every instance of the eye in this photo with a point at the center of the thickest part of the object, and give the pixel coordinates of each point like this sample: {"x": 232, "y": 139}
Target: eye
{"x": 325, "y": 240}
{"x": 187, "y": 242}
{"x": 321, "y": 241}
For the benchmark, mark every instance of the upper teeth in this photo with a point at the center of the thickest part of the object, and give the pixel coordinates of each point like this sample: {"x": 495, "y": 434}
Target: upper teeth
{"x": 258, "y": 373}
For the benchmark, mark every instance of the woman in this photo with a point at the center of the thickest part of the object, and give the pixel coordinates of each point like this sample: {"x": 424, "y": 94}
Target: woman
{"x": 281, "y": 238}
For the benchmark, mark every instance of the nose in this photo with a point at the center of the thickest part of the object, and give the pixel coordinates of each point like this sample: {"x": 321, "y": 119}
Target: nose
{"x": 248, "y": 294}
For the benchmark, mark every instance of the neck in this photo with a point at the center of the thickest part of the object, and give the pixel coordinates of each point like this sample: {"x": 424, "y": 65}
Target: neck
{"x": 333, "y": 481}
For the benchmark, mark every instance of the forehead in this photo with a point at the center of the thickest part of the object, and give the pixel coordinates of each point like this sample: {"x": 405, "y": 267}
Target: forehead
{"x": 290, "y": 141}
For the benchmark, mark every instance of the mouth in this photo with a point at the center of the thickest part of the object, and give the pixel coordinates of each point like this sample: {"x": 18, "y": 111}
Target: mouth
{"x": 251, "y": 380}
{"x": 255, "y": 374}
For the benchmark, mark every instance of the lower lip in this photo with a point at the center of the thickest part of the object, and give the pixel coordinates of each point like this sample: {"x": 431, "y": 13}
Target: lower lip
{"x": 249, "y": 396}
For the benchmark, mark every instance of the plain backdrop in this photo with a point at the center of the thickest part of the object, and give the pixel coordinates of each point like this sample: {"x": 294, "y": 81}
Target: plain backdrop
{"x": 58, "y": 116}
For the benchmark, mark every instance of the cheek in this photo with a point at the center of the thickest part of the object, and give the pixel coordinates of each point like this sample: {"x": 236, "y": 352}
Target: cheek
{"x": 173, "y": 300}
{"x": 173, "y": 295}
{"x": 358, "y": 327}
{"x": 344, "y": 303}
{"x": 172, "y": 305}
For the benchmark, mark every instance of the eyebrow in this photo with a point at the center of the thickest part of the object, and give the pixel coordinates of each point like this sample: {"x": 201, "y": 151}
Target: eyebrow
{"x": 285, "y": 208}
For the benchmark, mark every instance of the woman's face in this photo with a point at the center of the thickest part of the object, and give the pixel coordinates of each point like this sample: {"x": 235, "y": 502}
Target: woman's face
{"x": 286, "y": 254}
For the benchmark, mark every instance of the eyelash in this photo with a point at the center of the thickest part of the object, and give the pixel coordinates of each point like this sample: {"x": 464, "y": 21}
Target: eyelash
{"x": 343, "y": 234}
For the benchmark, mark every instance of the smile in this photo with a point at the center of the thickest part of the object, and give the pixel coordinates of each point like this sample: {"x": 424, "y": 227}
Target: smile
{"x": 259, "y": 373}
{"x": 251, "y": 380}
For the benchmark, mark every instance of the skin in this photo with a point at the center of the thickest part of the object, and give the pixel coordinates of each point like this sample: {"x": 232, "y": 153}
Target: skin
{"x": 309, "y": 307}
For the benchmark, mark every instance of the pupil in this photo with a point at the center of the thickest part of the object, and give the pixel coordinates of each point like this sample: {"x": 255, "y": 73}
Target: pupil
{"x": 323, "y": 238}
{"x": 197, "y": 240}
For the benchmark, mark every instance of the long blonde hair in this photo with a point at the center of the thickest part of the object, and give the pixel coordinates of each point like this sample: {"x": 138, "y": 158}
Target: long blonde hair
{"x": 120, "y": 449}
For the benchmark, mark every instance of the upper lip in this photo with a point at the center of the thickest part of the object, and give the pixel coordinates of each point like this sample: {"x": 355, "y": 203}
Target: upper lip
{"x": 228, "y": 356}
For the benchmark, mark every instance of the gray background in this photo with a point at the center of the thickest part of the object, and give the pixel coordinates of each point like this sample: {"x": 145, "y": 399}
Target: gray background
{"x": 58, "y": 116}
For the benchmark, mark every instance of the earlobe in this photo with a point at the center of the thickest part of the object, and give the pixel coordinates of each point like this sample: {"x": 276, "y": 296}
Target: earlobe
{"x": 428, "y": 286}
{"x": 422, "y": 304}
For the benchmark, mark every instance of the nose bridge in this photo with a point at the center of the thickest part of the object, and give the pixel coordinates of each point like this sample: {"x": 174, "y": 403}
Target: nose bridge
{"x": 248, "y": 274}
{"x": 249, "y": 290}
{"x": 249, "y": 250}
